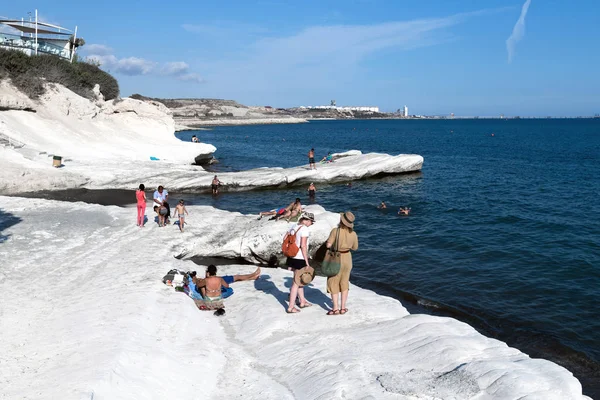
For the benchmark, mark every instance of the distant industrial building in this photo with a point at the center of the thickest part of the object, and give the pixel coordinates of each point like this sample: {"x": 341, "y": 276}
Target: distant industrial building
{"x": 333, "y": 107}
{"x": 403, "y": 112}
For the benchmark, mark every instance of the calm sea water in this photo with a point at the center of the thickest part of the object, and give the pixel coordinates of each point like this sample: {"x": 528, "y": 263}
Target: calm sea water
{"x": 504, "y": 232}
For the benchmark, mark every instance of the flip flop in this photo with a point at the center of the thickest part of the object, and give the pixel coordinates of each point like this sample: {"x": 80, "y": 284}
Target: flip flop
{"x": 305, "y": 305}
{"x": 292, "y": 310}
{"x": 343, "y": 311}
{"x": 333, "y": 312}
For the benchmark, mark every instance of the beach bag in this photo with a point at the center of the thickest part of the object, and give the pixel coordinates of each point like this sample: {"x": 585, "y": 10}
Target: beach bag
{"x": 289, "y": 246}
{"x": 332, "y": 262}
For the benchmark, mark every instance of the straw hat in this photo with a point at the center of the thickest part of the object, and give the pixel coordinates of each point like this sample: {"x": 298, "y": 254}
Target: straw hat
{"x": 347, "y": 219}
{"x": 308, "y": 215}
{"x": 304, "y": 276}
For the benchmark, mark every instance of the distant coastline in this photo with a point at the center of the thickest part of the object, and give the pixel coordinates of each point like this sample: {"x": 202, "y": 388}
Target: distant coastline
{"x": 198, "y": 114}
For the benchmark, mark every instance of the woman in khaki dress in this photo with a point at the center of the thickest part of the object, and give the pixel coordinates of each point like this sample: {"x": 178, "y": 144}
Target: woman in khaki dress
{"x": 338, "y": 285}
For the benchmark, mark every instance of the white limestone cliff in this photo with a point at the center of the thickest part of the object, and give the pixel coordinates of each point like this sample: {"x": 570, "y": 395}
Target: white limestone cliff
{"x": 65, "y": 124}
{"x": 236, "y": 236}
{"x": 102, "y": 324}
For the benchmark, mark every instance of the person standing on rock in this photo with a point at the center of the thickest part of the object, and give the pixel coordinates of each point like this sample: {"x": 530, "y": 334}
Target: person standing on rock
{"x": 339, "y": 284}
{"x": 181, "y": 212}
{"x": 140, "y": 196}
{"x": 215, "y": 185}
{"x": 312, "y": 190}
{"x": 299, "y": 261}
{"x": 160, "y": 199}
{"x": 311, "y": 159}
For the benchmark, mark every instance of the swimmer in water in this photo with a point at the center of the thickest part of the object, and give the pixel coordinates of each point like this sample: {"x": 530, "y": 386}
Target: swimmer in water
{"x": 382, "y": 205}
{"x": 404, "y": 211}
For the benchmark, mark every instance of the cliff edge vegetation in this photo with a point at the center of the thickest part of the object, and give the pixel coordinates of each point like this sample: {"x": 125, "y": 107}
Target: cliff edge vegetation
{"x": 29, "y": 73}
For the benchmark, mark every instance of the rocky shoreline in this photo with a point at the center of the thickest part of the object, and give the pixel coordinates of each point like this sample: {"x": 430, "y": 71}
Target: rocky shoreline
{"x": 104, "y": 325}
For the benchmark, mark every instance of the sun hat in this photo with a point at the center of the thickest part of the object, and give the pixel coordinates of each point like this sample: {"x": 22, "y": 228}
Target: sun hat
{"x": 347, "y": 218}
{"x": 307, "y": 215}
{"x": 304, "y": 276}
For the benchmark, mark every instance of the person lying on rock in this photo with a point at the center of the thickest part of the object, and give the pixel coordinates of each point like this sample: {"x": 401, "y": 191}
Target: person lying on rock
{"x": 212, "y": 299}
{"x": 276, "y": 211}
{"x": 291, "y": 211}
{"x": 225, "y": 291}
{"x": 327, "y": 159}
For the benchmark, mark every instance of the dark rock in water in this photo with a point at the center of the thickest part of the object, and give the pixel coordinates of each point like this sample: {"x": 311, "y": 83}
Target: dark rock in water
{"x": 204, "y": 159}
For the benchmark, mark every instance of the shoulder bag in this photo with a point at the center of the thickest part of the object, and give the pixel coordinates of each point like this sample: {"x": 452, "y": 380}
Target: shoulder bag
{"x": 332, "y": 262}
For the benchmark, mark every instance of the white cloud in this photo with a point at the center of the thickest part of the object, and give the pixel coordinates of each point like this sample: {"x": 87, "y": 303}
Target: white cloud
{"x": 128, "y": 66}
{"x": 223, "y": 29}
{"x": 98, "y": 49}
{"x": 518, "y": 32}
{"x": 132, "y": 66}
{"x": 175, "y": 68}
{"x": 191, "y": 77}
{"x": 324, "y": 52}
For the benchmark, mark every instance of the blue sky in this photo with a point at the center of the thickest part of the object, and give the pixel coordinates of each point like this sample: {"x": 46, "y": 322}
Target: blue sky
{"x": 436, "y": 56}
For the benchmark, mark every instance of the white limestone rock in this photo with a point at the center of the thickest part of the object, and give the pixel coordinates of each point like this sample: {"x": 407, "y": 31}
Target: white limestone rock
{"x": 336, "y": 156}
{"x": 191, "y": 178}
{"x": 103, "y": 321}
{"x": 97, "y": 93}
{"x": 236, "y": 236}
{"x": 100, "y": 135}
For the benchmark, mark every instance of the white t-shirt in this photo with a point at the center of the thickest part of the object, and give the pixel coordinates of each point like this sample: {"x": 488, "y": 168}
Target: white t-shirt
{"x": 302, "y": 232}
{"x": 161, "y": 197}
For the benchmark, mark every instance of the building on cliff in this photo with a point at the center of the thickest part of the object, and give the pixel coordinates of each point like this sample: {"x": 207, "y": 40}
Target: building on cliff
{"x": 33, "y": 37}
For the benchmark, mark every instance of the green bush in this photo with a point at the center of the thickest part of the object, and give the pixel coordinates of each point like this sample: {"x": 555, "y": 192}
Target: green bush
{"x": 28, "y": 74}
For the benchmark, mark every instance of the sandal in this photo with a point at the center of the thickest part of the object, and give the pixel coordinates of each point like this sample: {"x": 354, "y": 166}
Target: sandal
{"x": 333, "y": 312}
{"x": 292, "y": 310}
{"x": 343, "y": 311}
{"x": 307, "y": 304}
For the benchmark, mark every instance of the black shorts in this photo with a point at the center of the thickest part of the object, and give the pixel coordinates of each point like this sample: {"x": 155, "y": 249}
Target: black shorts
{"x": 214, "y": 187}
{"x": 294, "y": 263}
{"x": 311, "y": 160}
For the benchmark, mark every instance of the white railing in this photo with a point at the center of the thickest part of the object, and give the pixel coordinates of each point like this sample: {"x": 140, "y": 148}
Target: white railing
{"x": 28, "y": 43}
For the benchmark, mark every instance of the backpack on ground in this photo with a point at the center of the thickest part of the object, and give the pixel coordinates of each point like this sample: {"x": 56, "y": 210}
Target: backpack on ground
{"x": 289, "y": 246}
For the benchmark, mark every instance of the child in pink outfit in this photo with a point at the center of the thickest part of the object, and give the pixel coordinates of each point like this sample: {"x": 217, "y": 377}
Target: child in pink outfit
{"x": 141, "y": 205}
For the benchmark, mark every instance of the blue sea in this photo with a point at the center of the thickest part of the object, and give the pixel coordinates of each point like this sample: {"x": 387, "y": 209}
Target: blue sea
{"x": 504, "y": 232}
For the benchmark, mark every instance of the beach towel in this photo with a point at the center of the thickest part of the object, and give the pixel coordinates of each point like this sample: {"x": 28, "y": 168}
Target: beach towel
{"x": 206, "y": 305}
{"x": 193, "y": 293}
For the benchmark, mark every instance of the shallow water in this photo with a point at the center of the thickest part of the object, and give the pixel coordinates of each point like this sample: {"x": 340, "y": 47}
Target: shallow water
{"x": 504, "y": 231}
